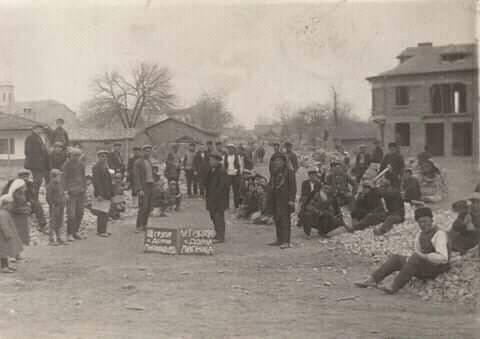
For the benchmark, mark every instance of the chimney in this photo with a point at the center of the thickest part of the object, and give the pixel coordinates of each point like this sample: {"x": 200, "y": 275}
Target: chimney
{"x": 425, "y": 44}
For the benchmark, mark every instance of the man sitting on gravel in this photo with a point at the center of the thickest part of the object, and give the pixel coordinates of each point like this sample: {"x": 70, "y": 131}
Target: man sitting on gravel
{"x": 368, "y": 209}
{"x": 464, "y": 233}
{"x": 430, "y": 259}
{"x": 394, "y": 206}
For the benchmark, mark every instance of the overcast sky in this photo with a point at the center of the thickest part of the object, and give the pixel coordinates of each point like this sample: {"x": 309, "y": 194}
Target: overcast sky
{"x": 257, "y": 54}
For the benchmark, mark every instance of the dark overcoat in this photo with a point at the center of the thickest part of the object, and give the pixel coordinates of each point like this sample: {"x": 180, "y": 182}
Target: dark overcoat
{"x": 216, "y": 189}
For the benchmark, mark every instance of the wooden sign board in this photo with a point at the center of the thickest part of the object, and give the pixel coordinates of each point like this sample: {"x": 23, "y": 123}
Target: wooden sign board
{"x": 183, "y": 241}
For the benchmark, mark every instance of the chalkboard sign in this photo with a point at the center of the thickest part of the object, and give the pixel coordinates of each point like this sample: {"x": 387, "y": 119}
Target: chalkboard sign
{"x": 161, "y": 240}
{"x": 183, "y": 241}
{"x": 196, "y": 242}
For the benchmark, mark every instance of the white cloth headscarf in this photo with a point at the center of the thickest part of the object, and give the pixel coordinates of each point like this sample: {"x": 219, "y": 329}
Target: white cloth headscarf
{"x": 16, "y": 184}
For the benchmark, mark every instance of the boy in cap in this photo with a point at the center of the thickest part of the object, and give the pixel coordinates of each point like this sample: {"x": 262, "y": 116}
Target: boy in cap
{"x": 464, "y": 234}
{"x": 309, "y": 187}
{"x": 137, "y": 153}
{"x": 189, "y": 168}
{"x": 430, "y": 258}
{"x": 103, "y": 190}
{"x": 58, "y": 156}
{"x": 76, "y": 186}
{"x": 216, "y": 185}
{"x": 56, "y": 202}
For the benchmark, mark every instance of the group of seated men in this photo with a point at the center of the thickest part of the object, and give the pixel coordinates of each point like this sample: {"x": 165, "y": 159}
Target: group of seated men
{"x": 253, "y": 199}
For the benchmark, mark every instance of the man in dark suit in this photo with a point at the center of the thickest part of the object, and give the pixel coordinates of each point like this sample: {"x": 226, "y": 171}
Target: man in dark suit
{"x": 143, "y": 186}
{"x": 377, "y": 153}
{"x": 103, "y": 190}
{"x": 201, "y": 166}
{"x": 292, "y": 157}
{"x": 395, "y": 160}
{"x": 309, "y": 187}
{"x": 37, "y": 159}
{"x": 137, "y": 153}
{"x": 216, "y": 190}
{"x": 115, "y": 159}
{"x": 231, "y": 164}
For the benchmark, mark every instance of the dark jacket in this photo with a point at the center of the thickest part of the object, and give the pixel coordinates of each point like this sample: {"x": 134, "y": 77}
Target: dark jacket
{"x": 74, "y": 177}
{"x": 115, "y": 162}
{"x": 29, "y": 193}
{"x": 130, "y": 164}
{"x": 57, "y": 159}
{"x": 394, "y": 203}
{"x": 307, "y": 191}
{"x": 36, "y": 154}
{"x": 102, "y": 182}
{"x": 140, "y": 175}
{"x": 282, "y": 190}
{"x": 60, "y": 135}
{"x": 360, "y": 168}
{"x": 55, "y": 192}
{"x": 367, "y": 203}
{"x": 201, "y": 164}
{"x": 216, "y": 189}
{"x": 411, "y": 188}
{"x": 396, "y": 161}
{"x": 377, "y": 155}
{"x": 292, "y": 157}
{"x": 236, "y": 163}
{"x": 247, "y": 161}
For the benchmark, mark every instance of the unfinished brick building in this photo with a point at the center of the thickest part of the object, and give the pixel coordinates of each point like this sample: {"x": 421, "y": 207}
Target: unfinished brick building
{"x": 429, "y": 100}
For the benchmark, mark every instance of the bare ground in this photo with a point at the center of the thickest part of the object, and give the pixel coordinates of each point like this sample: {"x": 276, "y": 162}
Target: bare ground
{"x": 109, "y": 288}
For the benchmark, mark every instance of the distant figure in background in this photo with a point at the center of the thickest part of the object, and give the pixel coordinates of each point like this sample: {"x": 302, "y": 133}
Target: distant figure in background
{"x": 396, "y": 162}
{"x": 292, "y": 157}
{"x": 137, "y": 153}
{"x": 173, "y": 165}
{"x": 103, "y": 190}
{"x": 58, "y": 156}
{"x": 424, "y": 156}
{"x": 219, "y": 148}
{"x": 231, "y": 164}
{"x": 260, "y": 153}
{"x": 60, "y": 134}
{"x": 246, "y": 162}
{"x": 201, "y": 166}
{"x": 36, "y": 158}
{"x": 76, "y": 186}
{"x": 56, "y": 202}
{"x": 276, "y": 151}
{"x": 361, "y": 163}
{"x": 216, "y": 184}
{"x": 143, "y": 180}
{"x": 115, "y": 159}
{"x": 189, "y": 168}
{"x": 282, "y": 195}
{"x": 394, "y": 207}
{"x": 377, "y": 153}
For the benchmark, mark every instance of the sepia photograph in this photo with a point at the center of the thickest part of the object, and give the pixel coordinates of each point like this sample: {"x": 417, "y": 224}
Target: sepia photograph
{"x": 203, "y": 169}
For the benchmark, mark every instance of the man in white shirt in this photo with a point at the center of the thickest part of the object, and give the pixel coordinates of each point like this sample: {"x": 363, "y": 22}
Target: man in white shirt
{"x": 232, "y": 167}
{"x": 430, "y": 259}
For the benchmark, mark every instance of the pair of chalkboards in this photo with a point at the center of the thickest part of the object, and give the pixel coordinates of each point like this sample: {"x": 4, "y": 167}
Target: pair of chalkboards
{"x": 183, "y": 241}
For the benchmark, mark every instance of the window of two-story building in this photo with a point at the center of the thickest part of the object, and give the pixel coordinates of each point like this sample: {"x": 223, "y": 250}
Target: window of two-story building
{"x": 7, "y": 146}
{"x": 448, "y": 98}
{"x": 402, "y": 96}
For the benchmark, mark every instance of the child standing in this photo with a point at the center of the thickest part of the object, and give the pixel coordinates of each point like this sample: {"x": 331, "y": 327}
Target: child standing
{"x": 56, "y": 201}
{"x": 10, "y": 243}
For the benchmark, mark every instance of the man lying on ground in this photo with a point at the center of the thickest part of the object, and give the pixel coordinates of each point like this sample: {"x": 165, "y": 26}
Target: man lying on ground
{"x": 430, "y": 258}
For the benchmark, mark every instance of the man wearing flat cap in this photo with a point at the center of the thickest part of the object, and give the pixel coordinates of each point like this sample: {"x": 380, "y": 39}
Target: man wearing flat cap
{"x": 36, "y": 158}
{"x": 60, "y": 134}
{"x": 430, "y": 258}
{"x": 216, "y": 184}
{"x": 143, "y": 180}
{"x": 103, "y": 190}
{"x": 137, "y": 153}
{"x": 115, "y": 159}
{"x": 76, "y": 187}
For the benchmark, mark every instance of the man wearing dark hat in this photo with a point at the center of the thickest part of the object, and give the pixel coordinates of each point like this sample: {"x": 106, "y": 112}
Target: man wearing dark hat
{"x": 76, "y": 187}
{"x": 60, "y": 134}
{"x": 309, "y": 187}
{"x": 36, "y": 158}
{"x": 395, "y": 161}
{"x": 137, "y": 153}
{"x": 103, "y": 190}
{"x": 430, "y": 258}
{"x": 201, "y": 166}
{"x": 189, "y": 168}
{"x": 282, "y": 194}
{"x": 143, "y": 180}
{"x": 216, "y": 190}
{"x": 115, "y": 159}
{"x": 292, "y": 157}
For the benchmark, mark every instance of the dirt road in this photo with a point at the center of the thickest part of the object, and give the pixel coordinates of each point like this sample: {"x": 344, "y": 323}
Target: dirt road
{"x": 108, "y": 288}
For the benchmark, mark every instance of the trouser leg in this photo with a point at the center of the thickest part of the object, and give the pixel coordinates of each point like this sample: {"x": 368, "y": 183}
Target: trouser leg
{"x": 218, "y": 219}
{"x": 388, "y": 224}
{"x": 102, "y": 220}
{"x": 308, "y": 220}
{"x": 37, "y": 209}
{"x": 229, "y": 185}
{"x": 370, "y": 219}
{"x": 80, "y": 211}
{"x": 236, "y": 190}
{"x": 71, "y": 214}
{"x": 393, "y": 264}
{"x": 189, "y": 177}
{"x": 37, "y": 178}
{"x": 195, "y": 184}
{"x": 142, "y": 200}
{"x": 282, "y": 224}
{"x": 148, "y": 203}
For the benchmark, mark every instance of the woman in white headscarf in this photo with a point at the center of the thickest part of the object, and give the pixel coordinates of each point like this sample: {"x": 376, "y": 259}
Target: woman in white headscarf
{"x": 21, "y": 210}
{"x": 10, "y": 243}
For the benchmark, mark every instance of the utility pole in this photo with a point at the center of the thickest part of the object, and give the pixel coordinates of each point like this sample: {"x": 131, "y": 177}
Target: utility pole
{"x": 335, "y": 107}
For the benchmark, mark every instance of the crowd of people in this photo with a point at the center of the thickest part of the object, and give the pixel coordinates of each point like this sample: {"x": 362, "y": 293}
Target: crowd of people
{"x": 336, "y": 197}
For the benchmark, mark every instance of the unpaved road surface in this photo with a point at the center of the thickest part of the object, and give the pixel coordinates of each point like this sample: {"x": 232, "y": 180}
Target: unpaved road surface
{"x": 109, "y": 288}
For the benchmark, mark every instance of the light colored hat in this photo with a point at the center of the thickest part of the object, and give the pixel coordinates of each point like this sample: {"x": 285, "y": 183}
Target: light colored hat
{"x": 102, "y": 151}
{"x": 144, "y": 147}
{"x": 16, "y": 185}
{"x": 24, "y": 171}
{"x": 75, "y": 151}
{"x": 231, "y": 146}
{"x": 6, "y": 198}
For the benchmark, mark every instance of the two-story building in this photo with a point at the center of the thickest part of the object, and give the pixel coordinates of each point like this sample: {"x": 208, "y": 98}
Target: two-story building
{"x": 430, "y": 99}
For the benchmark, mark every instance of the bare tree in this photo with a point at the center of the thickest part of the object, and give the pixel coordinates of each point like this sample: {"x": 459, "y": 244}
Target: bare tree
{"x": 210, "y": 113}
{"x": 147, "y": 93}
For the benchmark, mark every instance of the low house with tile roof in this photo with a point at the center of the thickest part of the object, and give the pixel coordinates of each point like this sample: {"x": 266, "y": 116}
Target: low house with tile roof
{"x": 429, "y": 99}
{"x": 13, "y": 132}
{"x": 45, "y": 111}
